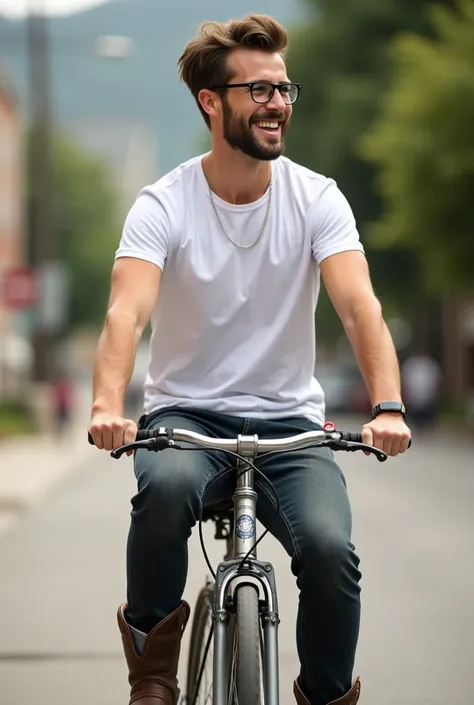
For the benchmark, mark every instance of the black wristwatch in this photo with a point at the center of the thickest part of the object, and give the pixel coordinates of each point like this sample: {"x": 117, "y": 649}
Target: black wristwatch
{"x": 390, "y": 407}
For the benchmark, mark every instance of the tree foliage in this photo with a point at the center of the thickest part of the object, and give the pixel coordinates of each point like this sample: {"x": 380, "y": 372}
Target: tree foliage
{"x": 343, "y": 63}
{"x": 423, "y": 146}
{"x": 86, "y": 228}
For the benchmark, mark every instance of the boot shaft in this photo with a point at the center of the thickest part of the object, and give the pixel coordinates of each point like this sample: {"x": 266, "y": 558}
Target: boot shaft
{"x": 350, "y": 698}
{"x": 152, "y": 675}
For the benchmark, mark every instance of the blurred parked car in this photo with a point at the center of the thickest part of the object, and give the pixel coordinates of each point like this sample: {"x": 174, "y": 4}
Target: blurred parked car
{"x": 343, "y": 387}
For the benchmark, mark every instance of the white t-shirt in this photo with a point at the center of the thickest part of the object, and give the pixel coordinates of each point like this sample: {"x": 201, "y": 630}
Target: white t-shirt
{"x": 233, "y": 329}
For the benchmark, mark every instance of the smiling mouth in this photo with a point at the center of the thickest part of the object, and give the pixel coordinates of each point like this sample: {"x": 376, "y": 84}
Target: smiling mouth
{"x": 271, "y": 127}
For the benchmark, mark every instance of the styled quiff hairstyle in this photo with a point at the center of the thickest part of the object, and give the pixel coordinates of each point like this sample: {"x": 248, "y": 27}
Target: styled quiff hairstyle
{"x": 203, "y": 62}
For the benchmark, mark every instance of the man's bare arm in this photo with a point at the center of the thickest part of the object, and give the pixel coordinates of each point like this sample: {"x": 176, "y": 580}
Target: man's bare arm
{"x": 347, "y": 280}
{"x": 134, "y": 291}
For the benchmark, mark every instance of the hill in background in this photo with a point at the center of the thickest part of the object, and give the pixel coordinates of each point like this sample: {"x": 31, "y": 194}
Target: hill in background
{"x": 143, "y": 89}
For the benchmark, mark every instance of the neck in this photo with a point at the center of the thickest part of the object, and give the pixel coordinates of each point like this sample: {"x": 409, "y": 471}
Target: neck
{"x": 235, "y": 177}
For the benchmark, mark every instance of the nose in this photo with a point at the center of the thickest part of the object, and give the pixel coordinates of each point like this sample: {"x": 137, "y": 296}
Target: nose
{"x": 277, "y": 101}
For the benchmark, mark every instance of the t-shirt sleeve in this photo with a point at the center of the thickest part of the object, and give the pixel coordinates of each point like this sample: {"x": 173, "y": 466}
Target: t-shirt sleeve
{"x": 333, "y": 227}
{"x": 145, "y": 233}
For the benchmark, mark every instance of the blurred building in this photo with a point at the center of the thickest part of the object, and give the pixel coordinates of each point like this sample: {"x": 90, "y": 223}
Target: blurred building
{"x": 127, "y": 146}
{"x": 10, "y": 209}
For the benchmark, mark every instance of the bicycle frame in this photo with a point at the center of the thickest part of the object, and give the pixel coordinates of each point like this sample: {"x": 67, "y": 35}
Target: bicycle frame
{"x": 244, "y": 537}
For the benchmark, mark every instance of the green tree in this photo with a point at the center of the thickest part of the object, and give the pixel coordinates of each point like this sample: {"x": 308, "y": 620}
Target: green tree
{"x": 341, "y": 59}
{"x": 87, "y": 229}
{"x": 423, "y": 146}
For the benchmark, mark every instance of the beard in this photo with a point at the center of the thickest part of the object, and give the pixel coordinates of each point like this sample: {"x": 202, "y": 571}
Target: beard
{"x": 239, "y": 134}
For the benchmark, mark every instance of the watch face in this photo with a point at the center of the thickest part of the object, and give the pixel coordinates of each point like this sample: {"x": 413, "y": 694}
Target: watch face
{"x": 395, "y": 407}
{"x": 391, "y": 406}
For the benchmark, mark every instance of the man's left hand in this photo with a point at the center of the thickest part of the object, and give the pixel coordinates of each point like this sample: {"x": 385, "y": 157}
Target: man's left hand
{"x": 388, "y": 432}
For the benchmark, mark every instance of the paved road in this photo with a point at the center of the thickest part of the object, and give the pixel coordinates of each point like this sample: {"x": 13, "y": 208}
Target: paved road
{"x": 62, "y": 575}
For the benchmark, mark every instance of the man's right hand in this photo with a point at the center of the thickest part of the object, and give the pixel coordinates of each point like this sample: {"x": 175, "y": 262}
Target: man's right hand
{"x": 110, "y": 431}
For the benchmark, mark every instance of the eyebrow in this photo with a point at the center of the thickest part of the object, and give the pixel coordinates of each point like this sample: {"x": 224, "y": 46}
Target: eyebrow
{"x": 267, "y": 80}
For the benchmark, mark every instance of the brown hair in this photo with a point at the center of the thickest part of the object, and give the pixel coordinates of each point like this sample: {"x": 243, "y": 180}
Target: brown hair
{"x": 203, "y": 62}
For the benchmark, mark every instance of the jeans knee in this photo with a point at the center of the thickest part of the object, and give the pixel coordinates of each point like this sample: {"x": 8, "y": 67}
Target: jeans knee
{"x": 328, "y": 562}
{"x": 168, "y": 497}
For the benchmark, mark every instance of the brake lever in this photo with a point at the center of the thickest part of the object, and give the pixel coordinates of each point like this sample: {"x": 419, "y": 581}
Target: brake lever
{"x": 352, "y": 446}
{"x": 154, "y": 444}
{"x": 379, "y": 454}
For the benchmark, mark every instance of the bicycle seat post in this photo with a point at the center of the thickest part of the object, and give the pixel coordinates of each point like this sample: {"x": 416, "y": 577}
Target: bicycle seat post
{"x": 245, "y": 501}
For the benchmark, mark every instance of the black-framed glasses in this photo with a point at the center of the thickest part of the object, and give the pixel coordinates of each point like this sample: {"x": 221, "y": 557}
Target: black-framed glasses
{"x": 262, "y": 91}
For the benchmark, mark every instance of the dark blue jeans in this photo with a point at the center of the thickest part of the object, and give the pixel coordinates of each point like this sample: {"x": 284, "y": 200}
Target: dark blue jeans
{"x": 314, "y": 529}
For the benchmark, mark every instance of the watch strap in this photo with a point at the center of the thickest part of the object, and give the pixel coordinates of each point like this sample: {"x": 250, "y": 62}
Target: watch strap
{"x": 389, "y": 407}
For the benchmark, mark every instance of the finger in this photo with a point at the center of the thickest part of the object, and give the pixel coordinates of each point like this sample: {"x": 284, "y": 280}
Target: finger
{"x": 118, "y": 434}
{"x": 130, "y": 434}
{"x": 107, "y": 438}
{"x": 384, "y": 442}
{"x": 396, "y": 442}
{"x": 97, "y": 437}
{"x": 404, "y": 443}
{"x": 367, "y": 437}
{"x": 379, "y": 441}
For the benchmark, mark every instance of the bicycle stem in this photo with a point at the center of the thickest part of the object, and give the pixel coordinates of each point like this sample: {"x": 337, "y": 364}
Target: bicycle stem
{"x": 245, "y": 501}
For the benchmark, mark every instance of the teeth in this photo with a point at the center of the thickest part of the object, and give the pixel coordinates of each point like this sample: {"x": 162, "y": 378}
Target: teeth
{"x": 268, "y": 124}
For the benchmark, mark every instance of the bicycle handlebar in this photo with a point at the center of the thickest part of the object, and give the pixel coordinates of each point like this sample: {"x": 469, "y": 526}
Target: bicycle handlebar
{"x": 162, "y": 438}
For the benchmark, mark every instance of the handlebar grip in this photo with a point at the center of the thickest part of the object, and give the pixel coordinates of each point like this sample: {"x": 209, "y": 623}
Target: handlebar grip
{"x": 357, "y": 437}
{"x": 354, "y": 437}
{"x": 142, "y": 435}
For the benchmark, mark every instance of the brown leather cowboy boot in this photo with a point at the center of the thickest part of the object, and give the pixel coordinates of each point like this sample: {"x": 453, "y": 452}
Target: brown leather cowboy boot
{"x": 350, "y": 698}
{"x": 152, "y": 675}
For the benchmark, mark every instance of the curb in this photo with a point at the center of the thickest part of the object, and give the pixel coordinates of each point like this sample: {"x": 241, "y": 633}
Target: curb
{"x": 16, "y": 501}
{"x": 33, "y": 466}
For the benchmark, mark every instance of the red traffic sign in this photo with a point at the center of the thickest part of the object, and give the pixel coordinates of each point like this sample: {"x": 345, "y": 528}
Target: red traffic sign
{"x": 19, "y": 288}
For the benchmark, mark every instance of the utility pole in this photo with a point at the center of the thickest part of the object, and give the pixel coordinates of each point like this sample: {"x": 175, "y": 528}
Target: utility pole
{"x": 42, "y": 245}
{"x": 42, "y": 249}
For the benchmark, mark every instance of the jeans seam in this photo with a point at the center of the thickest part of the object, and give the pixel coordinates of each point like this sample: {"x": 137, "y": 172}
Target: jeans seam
{"x": 131, "y": 566}
{"x": 204, "y": 483}
{"x": 285, "y": 520}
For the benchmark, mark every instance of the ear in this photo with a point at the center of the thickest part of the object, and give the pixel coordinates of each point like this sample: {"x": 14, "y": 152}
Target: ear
{"x": 209, "y": 101}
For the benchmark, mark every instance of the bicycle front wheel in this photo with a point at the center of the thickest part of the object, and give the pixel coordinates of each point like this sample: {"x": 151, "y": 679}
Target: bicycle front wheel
{"x": 245, "y": 683}
{"x": 199, "y": 676}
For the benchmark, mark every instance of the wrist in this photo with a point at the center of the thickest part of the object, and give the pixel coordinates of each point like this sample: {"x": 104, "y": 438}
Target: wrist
{"x": 104, "y": 407}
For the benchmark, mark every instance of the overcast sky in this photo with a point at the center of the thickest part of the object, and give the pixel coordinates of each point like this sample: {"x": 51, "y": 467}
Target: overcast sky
{"x": 17, "y": 8}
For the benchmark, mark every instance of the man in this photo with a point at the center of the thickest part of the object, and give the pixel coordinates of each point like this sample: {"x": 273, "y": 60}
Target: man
{"x": 224, "y": 254}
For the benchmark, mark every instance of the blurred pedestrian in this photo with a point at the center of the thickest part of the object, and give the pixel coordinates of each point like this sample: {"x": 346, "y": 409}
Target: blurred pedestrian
{"x": 421, "y": 380}
{"x": 62, "y": 403}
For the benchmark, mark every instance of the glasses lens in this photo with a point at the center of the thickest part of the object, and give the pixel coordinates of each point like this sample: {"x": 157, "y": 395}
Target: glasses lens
{"x": 289, "y": 92}
{"x": 262, "y": 92}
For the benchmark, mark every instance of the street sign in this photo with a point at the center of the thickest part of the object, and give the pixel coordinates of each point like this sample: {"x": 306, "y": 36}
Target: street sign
{"x": 19, "y": 289}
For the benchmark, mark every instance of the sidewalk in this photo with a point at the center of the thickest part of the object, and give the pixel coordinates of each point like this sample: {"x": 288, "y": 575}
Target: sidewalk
{"x": 31, "y": 466}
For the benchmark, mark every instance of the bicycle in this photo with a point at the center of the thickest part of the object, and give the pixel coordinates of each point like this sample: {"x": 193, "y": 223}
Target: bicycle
{"x": 239, "y": 607}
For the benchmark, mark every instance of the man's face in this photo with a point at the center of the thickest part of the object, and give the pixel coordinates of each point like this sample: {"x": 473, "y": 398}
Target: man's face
{"x": 255, "y": 129}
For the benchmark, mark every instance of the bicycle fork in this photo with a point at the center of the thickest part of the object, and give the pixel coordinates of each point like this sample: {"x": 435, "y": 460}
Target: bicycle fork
{"x": 262, "y": 573}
